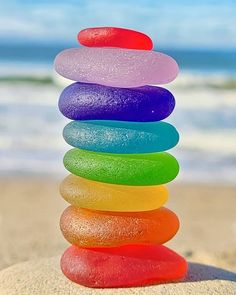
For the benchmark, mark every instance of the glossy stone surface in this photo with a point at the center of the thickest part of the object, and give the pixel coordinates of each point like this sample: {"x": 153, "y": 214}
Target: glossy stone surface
{"x": 121, "y": 137}
{"x": 126, "y": 266}
{"x": 83, "y": 101}
{"x": 128, "y": 169}
{"x": 90, "y": 228}
{"x": 116, "y": 67}
{"x": 95, "y": 195}
{"x": 114, "y": 37}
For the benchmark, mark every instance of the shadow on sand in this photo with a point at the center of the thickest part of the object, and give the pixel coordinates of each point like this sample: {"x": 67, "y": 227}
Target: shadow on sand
{"x": 201, "y": 272}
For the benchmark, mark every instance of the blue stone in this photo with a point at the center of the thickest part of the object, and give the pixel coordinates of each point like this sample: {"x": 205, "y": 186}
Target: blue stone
{"x": 121, "y": 137}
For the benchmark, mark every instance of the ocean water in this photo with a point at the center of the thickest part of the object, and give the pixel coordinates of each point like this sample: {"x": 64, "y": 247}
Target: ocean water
{"x": 31, "y": 124}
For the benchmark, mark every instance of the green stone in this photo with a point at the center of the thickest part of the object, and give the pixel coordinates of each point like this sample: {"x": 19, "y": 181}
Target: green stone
{"x": 129, "y": 169}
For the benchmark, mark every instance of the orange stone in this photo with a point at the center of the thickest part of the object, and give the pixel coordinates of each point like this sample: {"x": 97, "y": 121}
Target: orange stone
{"x": 90, "y": 228}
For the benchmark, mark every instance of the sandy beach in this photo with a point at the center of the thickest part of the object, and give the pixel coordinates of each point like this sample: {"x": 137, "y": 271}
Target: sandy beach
{"x": 30, "y": 209}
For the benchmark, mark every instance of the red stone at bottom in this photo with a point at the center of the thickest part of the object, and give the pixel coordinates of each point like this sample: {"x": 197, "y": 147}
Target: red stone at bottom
{"x": 124, "y": 266}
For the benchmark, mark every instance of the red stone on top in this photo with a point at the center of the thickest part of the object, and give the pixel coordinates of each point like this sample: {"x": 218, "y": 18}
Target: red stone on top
{"x": 114, "y": 37}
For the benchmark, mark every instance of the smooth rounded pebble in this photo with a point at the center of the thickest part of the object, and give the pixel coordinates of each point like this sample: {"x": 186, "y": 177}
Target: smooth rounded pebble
{"x": 90, "y": 228}
{"x": 114, "y": 37}
{"x": 44, "y": 277}
{"x": 95, "y": 195}
{"x": 121, "y": 137}
{"x": 128, "y": 169}
{"x": 83, "y": 101}
{"x": 116, "y": 67}
{"x": 126, "y": 266}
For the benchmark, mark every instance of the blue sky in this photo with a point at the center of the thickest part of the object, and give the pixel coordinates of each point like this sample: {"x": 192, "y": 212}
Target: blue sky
{"x": 174, "y": 23}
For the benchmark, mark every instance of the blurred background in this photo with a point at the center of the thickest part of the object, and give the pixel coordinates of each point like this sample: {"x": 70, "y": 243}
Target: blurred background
{"x": 200, "y": 35}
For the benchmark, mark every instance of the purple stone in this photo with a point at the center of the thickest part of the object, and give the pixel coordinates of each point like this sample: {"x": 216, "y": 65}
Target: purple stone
{"x": 82, "y": 101}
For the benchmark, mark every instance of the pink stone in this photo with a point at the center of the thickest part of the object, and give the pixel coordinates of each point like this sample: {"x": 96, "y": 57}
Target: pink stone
{"x": 116, "y": 67}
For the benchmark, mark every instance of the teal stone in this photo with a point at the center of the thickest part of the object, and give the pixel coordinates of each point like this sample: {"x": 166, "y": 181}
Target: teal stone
{"x": 121, "y": 137}
{"x": 128, "y": 169}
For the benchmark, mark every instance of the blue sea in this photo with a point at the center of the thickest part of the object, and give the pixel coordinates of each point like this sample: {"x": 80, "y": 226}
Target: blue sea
{"x": 31, "y": 125}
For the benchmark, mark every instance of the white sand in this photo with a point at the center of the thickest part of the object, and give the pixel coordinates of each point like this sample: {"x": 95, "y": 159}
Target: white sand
{"x": 29, "y": 215}
{"x": 43, "y": 277}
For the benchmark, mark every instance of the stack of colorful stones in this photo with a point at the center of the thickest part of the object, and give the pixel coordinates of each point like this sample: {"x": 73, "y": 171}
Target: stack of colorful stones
{"x": 116, "y": 223}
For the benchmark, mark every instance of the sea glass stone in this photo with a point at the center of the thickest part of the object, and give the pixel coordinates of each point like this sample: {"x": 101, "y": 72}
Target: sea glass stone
{"x": 128, "y": 169}
{"x": 90, "y": 228}
{"x": 121, "y": 137}
{"x": 116, "y": 67}
{"x": 85, "y": 193}
{"x": 84, "y": 101}
{"x": 114, "y": 37}
{"x": 125, "y": 266}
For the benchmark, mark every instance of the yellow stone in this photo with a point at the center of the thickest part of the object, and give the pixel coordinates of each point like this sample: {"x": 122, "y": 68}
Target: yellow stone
{"x": 95, "y": 195}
